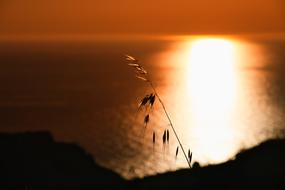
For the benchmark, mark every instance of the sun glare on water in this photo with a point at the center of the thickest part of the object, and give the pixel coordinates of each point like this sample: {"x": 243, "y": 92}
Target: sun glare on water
{"x": 211, "y": 88}
{"x": 215, "y": 109}
{"x": 205, "y": 95}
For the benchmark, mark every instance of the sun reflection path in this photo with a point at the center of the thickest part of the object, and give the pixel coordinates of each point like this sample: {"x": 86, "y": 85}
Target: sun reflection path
{"x": 211, "y": 87}
{"x": 214, "y": 108}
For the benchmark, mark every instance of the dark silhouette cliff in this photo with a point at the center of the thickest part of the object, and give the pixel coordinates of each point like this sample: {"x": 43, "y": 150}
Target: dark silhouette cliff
{"x": 262, "y": 167}
{"x": 35, "y": 161}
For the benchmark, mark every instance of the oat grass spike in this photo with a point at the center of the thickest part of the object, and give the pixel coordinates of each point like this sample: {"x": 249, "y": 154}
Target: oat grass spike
{"x": 142, "y": 74}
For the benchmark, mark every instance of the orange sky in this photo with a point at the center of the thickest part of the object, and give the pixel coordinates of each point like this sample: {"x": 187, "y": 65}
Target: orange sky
{"x": 58, "y": 17}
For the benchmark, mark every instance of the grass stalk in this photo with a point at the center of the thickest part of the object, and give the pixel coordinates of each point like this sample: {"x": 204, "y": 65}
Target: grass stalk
{"x": 169, "y": 120}
{"x": 143, "y": 75}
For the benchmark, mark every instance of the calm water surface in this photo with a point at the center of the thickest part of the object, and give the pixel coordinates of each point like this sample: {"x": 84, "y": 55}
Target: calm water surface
{"x": 222, "y": 94}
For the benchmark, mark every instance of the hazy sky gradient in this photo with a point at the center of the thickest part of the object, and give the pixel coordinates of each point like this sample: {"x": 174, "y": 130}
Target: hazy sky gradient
{"x": 56, "y": 17}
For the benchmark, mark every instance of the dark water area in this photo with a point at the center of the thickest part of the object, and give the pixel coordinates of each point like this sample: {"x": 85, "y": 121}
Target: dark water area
{"x": 83, "y": 92}
{"x": 75, "y": 90}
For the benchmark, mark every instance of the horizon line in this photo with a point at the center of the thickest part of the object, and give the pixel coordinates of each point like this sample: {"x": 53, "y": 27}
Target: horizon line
{"x": 96, "y": 37}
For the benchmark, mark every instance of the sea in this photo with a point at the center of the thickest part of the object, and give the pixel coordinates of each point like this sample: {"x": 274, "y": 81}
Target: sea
{"x": 223, "y": 94}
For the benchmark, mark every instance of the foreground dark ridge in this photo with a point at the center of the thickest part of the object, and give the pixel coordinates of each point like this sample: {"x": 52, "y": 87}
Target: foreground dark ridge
{"x": 36, "y": 161}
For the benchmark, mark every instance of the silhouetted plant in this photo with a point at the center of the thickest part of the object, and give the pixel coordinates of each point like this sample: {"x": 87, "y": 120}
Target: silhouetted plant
{"x": 176, "y": 153}
{"x": 149, "y": 100}
{"x": 153, "y": 138}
